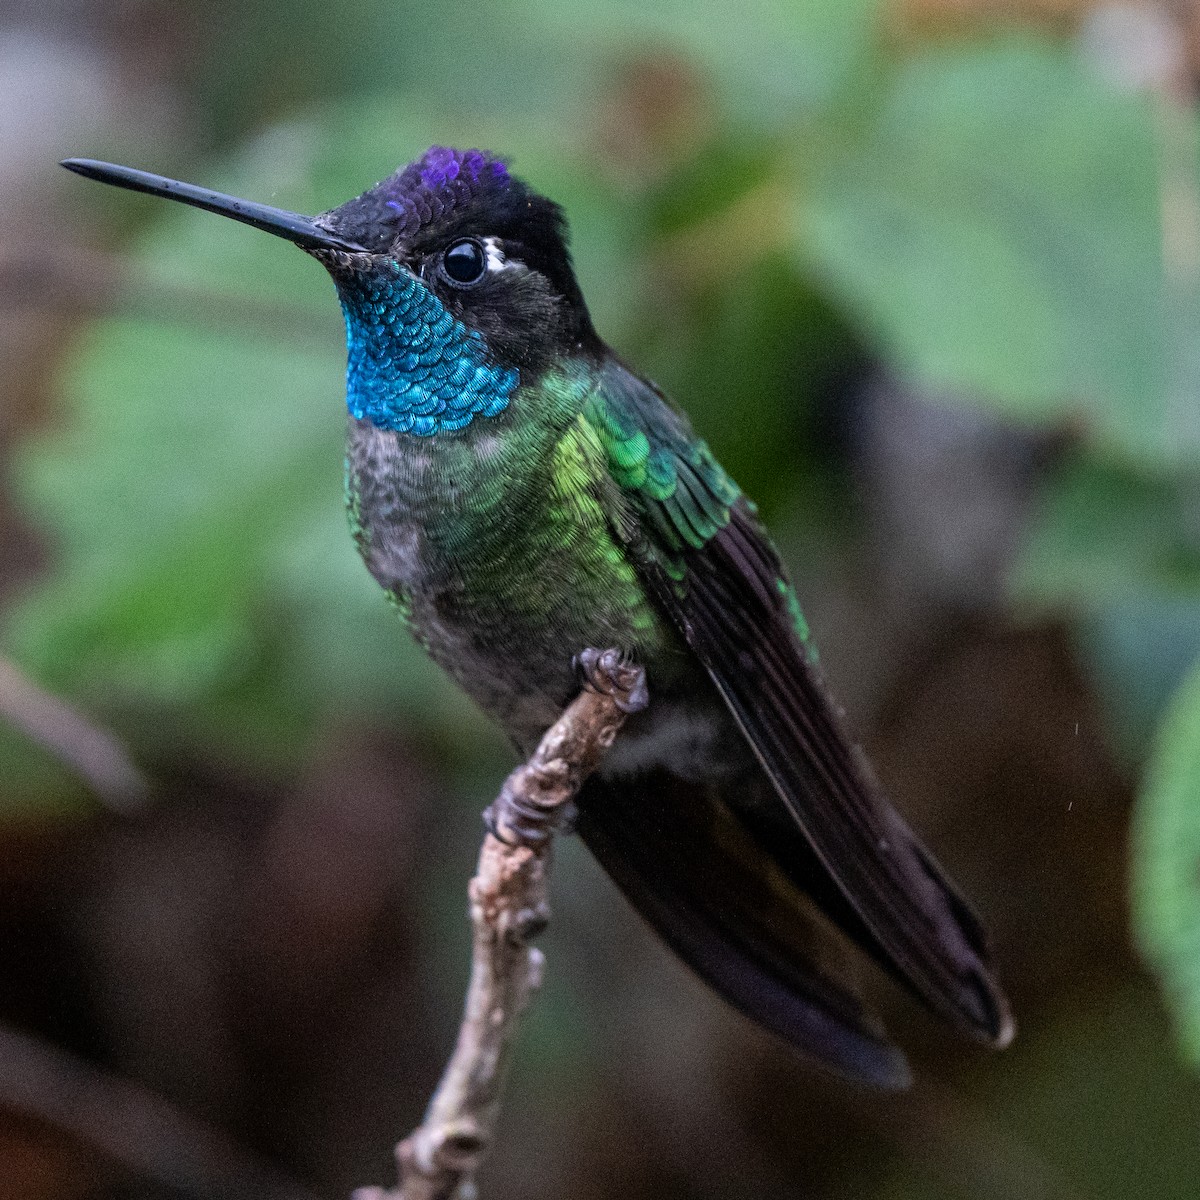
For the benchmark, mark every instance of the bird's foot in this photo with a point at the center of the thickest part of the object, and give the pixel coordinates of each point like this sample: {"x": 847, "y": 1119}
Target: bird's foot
{"x": 517, "y": 823}
{"x": 536, "y": 801}
{"x": 612, "y": 674}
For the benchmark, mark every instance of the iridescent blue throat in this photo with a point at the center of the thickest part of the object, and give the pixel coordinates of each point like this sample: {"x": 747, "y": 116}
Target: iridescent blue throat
{"x": 411, "y": 366}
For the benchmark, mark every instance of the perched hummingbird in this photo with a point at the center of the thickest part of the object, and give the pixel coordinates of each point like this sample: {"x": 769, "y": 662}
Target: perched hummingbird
{"x": 521, "y": 494}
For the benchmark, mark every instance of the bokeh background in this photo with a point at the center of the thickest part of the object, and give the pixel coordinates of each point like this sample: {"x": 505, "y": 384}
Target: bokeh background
{"x": 926, "y": 273}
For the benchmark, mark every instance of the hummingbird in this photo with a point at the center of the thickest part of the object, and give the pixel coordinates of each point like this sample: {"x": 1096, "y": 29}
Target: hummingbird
{"x": 521, "y": 494}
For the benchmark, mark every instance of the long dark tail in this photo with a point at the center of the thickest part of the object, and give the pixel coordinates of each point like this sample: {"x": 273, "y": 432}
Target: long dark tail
{"x": 694, "y": 873}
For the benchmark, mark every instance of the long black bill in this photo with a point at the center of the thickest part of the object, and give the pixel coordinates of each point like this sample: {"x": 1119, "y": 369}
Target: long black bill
{"x": 278, "y": 221}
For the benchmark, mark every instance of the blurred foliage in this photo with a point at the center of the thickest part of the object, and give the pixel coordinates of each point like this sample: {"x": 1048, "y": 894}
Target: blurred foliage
{"x": 1070, "y": 1106}
{"x": 1119, "y": 551}
{"x": 994, "y": 220}
{"x": 792, "y": 192}
{"x": 1167, "y": 895}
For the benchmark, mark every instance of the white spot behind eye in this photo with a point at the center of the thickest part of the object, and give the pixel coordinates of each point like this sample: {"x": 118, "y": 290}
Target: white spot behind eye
{"x": 495, "y": 256}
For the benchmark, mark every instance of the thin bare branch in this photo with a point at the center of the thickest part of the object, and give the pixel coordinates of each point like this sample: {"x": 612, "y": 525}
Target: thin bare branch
{"x": 89, "y": 751}
{"x": 130, "y": 1125}
{"x": 509, "y": 899}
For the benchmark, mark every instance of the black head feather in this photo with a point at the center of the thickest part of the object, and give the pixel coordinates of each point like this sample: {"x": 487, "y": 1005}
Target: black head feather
{"x": 529, "y": 315}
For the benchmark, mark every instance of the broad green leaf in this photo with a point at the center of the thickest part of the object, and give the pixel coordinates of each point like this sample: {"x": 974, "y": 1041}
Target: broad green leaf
{"x": 1100, "y": 532}
{"x": 1117, "y": 553}
{"x": 994, "y": 221}
{"x": 1166, "y": 862}
{"x": 777, "y": 61}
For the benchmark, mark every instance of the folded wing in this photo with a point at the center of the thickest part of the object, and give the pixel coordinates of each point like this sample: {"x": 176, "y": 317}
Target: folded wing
{"x": 705, "y": 557}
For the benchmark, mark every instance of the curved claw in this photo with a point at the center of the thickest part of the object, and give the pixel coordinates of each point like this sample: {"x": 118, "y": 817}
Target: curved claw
{"x": 514, "y": 822}
{"x": 612, "y": 674}
{"x": 492, "y": 823}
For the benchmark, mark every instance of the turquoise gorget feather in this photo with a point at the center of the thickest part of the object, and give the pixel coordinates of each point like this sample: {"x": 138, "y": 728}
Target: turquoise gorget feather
{"x": 411, "y": 366}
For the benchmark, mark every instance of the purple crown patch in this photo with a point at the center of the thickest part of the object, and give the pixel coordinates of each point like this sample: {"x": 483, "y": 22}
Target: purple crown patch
{"x": 442, "y": 182}
{"x": 441, "y": 179}
{"x": 441, "y": 164}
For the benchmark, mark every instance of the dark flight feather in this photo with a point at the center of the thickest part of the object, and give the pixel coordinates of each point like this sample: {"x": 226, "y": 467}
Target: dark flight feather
{"x": 723, "y": 586}
{"x": 693, "y": 872}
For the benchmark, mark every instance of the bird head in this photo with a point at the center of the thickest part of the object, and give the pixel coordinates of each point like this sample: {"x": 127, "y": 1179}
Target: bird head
{"x": 453, "y": 274}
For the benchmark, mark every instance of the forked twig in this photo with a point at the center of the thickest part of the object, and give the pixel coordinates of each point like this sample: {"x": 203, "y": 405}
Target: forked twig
{"x": 509, "y": 900}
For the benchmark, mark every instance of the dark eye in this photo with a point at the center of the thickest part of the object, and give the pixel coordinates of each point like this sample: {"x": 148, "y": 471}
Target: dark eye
{"x": 464, "y": 262}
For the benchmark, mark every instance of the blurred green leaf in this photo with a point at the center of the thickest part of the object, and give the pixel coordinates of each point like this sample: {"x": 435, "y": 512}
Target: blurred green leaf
{"x": 776, "y": 61}
{"x": 995, "y": 222}
{"x": 1166, "y": 862}
{"x": 1102, "y": 531}
{"x": 1117, "y": 553}
{"x": 1136, "y": 649}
